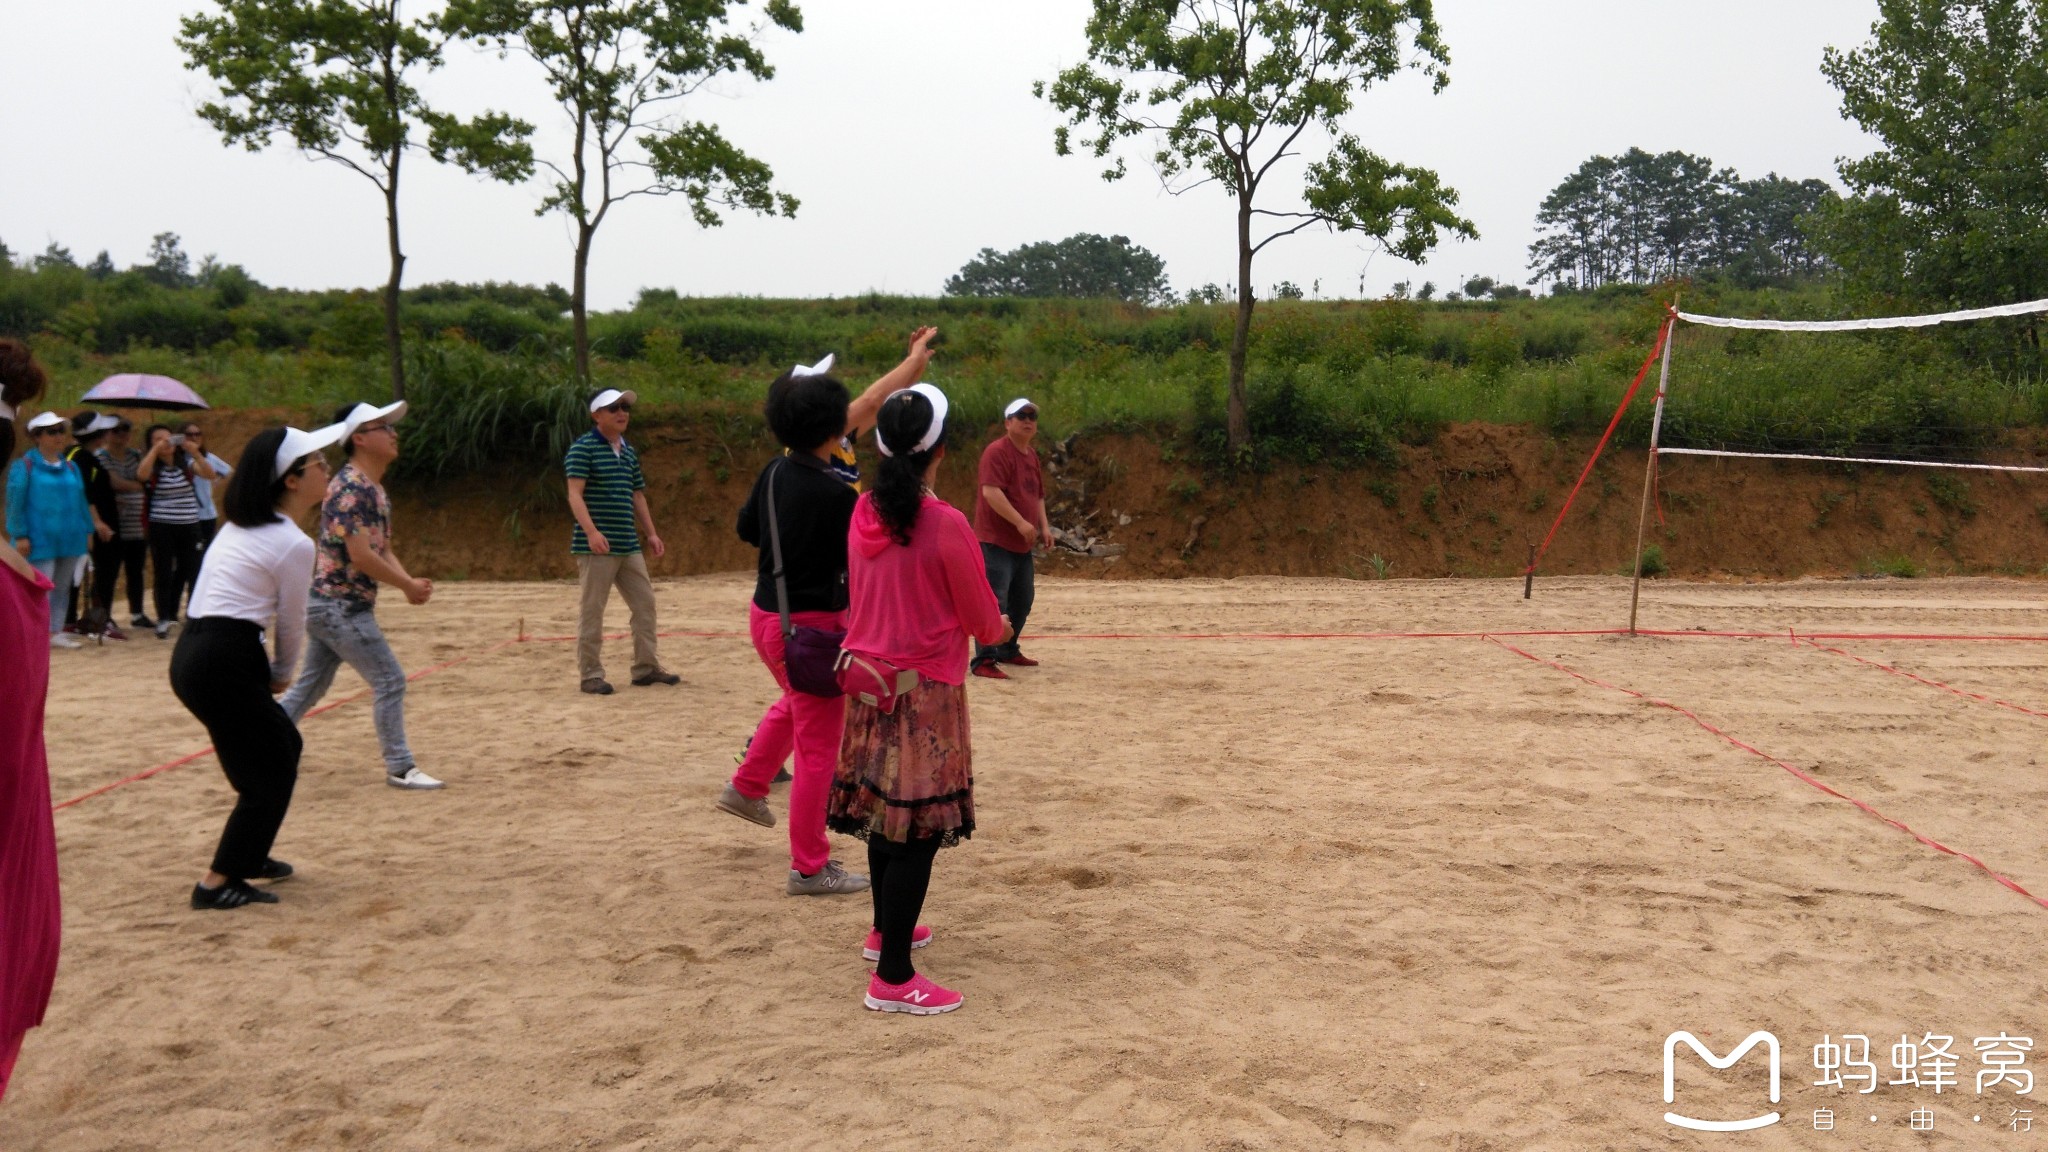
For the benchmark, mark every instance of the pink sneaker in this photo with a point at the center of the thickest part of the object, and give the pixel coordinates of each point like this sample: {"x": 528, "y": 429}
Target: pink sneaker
{"x": 872, "y": 950}
{"x": 918, "y": 996}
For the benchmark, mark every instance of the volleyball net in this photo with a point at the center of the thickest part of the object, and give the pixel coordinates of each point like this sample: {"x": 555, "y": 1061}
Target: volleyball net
{"x": 1662, "y": 350}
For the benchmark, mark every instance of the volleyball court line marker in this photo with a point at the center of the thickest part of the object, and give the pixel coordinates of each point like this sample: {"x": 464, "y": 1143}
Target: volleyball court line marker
{"x": 1104, "y": 636}
{"x": 330, "y": 706}
{"x": 1689, "y": 714}
{"x": 1963, "y": 692}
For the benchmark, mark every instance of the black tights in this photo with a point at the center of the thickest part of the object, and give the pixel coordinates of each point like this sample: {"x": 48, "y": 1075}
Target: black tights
{"x": 898, "y": 875}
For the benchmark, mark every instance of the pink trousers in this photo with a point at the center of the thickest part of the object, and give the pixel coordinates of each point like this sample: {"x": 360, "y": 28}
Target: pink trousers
{"x": 799, "y": 722}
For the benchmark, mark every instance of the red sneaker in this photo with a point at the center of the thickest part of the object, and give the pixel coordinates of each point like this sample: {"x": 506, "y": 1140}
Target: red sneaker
{"x": 917, "y": 996}
{"x": 1020, "y": 660}
{"x": 872, "y": 948}
{"x": 113, "y": 633}
{"x": 991, "y": 671}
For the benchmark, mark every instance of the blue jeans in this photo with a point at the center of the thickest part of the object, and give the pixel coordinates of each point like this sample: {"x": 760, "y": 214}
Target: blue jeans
{"x": 335, "y": 634}
{"x": 61, "y": 571}
{"x": 1010, "y": 578}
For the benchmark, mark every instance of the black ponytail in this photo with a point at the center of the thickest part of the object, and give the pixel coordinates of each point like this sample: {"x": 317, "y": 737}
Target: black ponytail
{"x": 899, "y": 482}
{"x": 253, "y": 493}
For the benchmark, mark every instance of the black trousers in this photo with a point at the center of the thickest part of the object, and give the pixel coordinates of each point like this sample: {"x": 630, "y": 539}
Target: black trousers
{"x": 122, "y": 556}
{"x": 1010, "y": 577}
{"x": 106, "y": 569}
{"x": 174, "y": 553}
{"x": 898, "y": 877}
{"x": 221, "y": 675}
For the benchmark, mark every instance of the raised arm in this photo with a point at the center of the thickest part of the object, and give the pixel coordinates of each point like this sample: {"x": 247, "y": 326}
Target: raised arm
{"x": 860, "y": 415}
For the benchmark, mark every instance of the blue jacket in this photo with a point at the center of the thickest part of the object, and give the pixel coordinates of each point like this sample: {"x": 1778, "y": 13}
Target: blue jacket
{"x": 46, "y": 504}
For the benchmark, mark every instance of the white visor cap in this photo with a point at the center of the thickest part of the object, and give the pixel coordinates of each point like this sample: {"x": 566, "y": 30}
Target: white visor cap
{"x": 298, "y": 443}
{"x": 1016, "y": 406}
{"x": 818, "y": 369}
{"x": 47, "y": 420}
{"x": 611, "y": 396}
{"x": 933, "y": 434}
{"x": 362, "y": 414}
{"x": 101, "y": 423}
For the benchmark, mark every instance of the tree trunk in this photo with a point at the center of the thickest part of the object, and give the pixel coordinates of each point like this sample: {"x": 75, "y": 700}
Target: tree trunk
{"x": 393, "y": 339}
{"x": 579, "y": 318}
{"x": 1239, "y": 423}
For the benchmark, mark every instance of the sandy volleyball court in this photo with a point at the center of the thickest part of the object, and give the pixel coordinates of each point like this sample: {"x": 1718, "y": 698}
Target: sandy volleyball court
{"x": 1287, "y": 894}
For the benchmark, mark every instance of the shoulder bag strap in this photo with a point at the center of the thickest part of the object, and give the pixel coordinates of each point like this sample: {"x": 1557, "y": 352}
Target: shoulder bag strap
{"x": 775, "y": 547}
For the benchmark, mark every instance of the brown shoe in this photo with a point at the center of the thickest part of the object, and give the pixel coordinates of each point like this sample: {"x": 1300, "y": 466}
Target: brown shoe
{"x": 991, "y": 671}
{"x": 597, "y": 687}
{"x": 658, "y": 676}
{"x": 1020, "y": 660}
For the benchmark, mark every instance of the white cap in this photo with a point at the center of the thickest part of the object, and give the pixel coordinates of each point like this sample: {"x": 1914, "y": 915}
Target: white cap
{"x": 933, "y": 434}
{"x": 362, "y": 414}
{"x": 297, "y": 444}
{"x": 48, "y": 420}
{"x": 818, "y": 369}
{"x": 1016, "y": 405}
{"x": 611, "y": 396}
{"x": 101, "y": 423}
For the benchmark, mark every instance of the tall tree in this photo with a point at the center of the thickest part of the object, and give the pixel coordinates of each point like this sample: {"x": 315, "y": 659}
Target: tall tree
{"x": 619, "y": 68}
{"x": 1083, "y": 265}
{"x": 336, "y": 77}
{"x": 1953, "y": 210}
{"x": 1227, "y": 89}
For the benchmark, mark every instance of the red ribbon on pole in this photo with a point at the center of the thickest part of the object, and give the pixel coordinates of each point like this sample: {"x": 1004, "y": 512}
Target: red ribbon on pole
{"x": 1642, "y": 373}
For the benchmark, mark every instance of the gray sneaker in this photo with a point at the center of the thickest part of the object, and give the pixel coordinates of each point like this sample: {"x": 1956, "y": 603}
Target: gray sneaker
{"x": 746, "y": 807}
{"x": 831, "y": 880}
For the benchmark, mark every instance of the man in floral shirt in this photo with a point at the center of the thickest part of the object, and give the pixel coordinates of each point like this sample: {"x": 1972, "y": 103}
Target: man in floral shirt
{"x": 355, "y": 556}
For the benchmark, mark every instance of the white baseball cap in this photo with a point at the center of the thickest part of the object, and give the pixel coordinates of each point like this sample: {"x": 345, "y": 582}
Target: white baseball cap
{"x": 611, "y": 396}
{"x": 298, "y": 443}
{"x": 47, "y": 420}
{"x": 362, "y": 414}
{"x": 1016, "y": 406}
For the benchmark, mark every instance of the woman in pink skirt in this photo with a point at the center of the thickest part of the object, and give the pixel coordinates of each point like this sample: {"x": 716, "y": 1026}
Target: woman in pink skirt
{"x": 917, "y": 592}
{"x": 29, "y": 920}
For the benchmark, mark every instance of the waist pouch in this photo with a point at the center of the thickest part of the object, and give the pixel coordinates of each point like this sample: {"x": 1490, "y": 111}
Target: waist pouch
{"x": 872, "y": 680}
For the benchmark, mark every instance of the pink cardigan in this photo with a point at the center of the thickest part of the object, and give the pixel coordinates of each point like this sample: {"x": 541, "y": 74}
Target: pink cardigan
{"x": 916, "y": 606}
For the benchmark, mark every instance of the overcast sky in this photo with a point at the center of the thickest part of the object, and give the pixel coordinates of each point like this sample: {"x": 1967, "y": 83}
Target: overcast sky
{"x": 908, "y": 130}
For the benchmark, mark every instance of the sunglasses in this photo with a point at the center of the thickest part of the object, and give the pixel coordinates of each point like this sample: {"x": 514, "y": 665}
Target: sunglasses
{"x": 619, "y": 407}
{"x": 1026, "y": 414}
{"x": 52, "y": 430}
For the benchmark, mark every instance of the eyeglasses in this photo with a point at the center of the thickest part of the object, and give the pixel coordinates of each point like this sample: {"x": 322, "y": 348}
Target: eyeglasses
{"x": 391, "y": 428}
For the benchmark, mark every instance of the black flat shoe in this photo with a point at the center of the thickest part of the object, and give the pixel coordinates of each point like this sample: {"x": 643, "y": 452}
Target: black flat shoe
{"x": 232, "y": 894}
{"x": 275, "y": 870}
{"x": 658, "y": 676}
{"x": 782, "y": 776}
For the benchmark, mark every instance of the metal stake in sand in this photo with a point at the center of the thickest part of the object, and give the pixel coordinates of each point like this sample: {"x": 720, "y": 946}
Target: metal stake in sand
{"x": 1635, "y": 591}
{"x": 1529, "y": 574}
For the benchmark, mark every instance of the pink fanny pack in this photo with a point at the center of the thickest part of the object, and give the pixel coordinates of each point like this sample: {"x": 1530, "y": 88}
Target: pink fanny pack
{"x": 874, "y": 681}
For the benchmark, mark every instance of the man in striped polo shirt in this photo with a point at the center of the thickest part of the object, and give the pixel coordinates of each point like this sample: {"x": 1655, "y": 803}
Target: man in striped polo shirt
{"x": 608, "y": 496}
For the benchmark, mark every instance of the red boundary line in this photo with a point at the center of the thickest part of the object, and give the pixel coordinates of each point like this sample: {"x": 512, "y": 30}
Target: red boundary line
{"x": 1249, "y": 636}
{"x": 327, "y": 707}
{"x": 1752, "y": 750}
{"x": 1963, "y": 692}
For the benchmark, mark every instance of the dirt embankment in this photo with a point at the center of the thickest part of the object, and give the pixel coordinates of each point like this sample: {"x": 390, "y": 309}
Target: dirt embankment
{"x": 1470, "y": 504}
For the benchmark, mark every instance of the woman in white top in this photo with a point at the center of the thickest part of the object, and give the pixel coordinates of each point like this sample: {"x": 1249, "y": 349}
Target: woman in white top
{"x": 257, "y": 572}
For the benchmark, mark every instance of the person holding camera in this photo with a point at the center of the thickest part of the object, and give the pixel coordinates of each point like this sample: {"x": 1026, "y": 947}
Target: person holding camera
{"x": 797, "y": 516}
{"x": 209, "y": 516}
{"x": 172, "y": 474}
{"x": 354, "y": 557}
{"x": 916, "y": 593}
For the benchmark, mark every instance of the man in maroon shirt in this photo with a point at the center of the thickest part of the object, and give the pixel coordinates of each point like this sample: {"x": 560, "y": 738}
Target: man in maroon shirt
{"x": 1009, "y": 520}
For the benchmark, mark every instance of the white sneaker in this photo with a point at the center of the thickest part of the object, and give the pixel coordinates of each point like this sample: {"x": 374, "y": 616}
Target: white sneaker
{"x": 414, "y": 779}
{"x": 65, "y": 640}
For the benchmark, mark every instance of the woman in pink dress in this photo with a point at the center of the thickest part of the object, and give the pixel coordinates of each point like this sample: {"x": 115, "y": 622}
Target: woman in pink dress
{"x": 29, "y": 919}
{"x": 917, "y": 591}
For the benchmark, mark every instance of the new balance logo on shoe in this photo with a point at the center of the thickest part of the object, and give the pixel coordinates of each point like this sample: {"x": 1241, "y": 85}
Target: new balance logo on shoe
{"x": 917, "y": 996}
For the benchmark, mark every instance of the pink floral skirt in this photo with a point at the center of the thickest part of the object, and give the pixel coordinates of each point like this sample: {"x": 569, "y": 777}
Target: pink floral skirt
{"x": 908, "y": 774}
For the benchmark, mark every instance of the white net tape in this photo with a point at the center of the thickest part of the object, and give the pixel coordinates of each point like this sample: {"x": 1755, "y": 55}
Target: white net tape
{"x": 1846, "y": 459}
{"x": 1865, "y": 325}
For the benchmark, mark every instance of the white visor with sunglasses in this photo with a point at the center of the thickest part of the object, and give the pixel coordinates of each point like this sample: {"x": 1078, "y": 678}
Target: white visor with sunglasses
{"x": 1018, "y": 405}
{"x": 298, "y": 443}
{"x": 48, "y": 420}
{"x": 611, "y": 396}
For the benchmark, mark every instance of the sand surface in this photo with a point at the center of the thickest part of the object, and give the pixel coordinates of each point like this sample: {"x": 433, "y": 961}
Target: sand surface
{"x": 1279, "y": 894}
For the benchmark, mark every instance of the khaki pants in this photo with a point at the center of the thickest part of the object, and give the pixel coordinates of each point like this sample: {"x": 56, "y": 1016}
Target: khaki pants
{"x": 599, "y": 573}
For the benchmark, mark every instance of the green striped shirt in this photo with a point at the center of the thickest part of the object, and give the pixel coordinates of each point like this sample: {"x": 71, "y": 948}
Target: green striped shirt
{"x": 609, "y": 481}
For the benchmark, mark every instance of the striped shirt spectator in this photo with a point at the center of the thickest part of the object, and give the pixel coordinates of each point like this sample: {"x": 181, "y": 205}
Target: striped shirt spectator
{"x": 130, "y": 504}
{"x": 172, "y": 497}
{"x": 610, "y": 475}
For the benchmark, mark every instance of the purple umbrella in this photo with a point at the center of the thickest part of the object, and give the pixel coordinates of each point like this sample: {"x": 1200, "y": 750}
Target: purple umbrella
{"x": 134, "y": 390}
